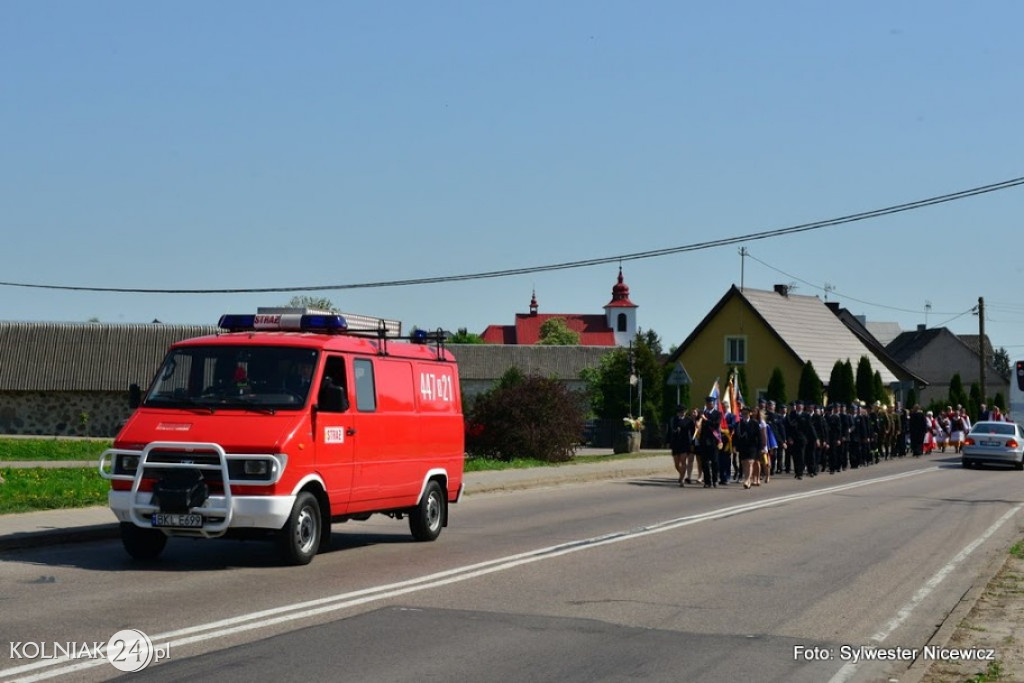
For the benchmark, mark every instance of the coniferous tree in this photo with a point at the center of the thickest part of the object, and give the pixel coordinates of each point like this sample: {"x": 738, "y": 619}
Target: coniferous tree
{"x": 840, "y": 386}
{"x": 865, "y": 381}
{"x": 777, "y": 387}
{"x": 974, "y": 401}
{"x": 879, "y": 389}
{"x": 957, "y": 395}
{"x": 849, "y": 382}
{"x": 810, "y": 384}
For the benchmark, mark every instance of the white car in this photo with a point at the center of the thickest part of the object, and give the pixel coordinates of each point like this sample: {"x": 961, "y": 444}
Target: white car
{"x": 1001, "y": 443}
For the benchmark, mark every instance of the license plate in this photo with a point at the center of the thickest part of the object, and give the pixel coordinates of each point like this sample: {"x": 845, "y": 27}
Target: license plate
{"x": 991, "y": 443}
{"x": 187, "y": 521}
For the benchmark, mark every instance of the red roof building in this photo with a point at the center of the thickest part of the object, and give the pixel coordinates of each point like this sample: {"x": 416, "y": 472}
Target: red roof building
{"x": 616, "y": 327}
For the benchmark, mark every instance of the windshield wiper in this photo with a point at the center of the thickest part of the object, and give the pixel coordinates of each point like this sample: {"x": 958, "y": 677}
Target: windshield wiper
{"x": 247, "y": 404}
{"x": 179, "y": 402}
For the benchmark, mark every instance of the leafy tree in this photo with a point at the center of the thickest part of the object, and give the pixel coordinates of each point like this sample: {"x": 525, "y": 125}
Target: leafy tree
{"x": 865, "y": 382}
{"x": 998, "y": 400}
{"x": 810, "y": 386}
{"x": 652, "y": 340}
{"x": 556, "y": 332}
{"x": 526, "y": 417}
{"x": 510, "y": 378}
{"x": 463, "y": 336}
{"x": 313, "y": 302}
{"x": 613, "y": 397}
{"x": 777, "y": 387}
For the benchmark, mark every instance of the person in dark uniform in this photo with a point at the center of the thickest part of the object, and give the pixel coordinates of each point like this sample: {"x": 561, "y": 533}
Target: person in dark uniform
{"x": 747, "y": 440}
{"x": 904, "y": 435}
{"x": 782, "y": 455}
{"x": 817, "y": 460}
{"x": 834, "y": 423}
{"x": 709, "y": 441}
{"x": 860, "y": 436}
{"x": 681, "y": 440}
{"x": 918, "y": 427}
{"x": 846, "y": 413}
{"x": 801, "y": 436}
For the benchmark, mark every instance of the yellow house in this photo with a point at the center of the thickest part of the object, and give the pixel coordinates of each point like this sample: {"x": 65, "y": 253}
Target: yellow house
{"x": 762, "y": 330}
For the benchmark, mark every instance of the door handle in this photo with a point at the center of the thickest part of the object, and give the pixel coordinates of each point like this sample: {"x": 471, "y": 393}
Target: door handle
{"x": 350, "y": 431}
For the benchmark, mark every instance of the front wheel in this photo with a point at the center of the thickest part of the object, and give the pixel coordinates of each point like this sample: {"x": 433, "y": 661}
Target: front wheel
{"x": 299, "y": 539}
{"x": 426, "y": 520}
{"x": 142, "y": 544}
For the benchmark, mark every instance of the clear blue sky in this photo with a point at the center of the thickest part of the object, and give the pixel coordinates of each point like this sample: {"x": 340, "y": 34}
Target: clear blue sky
{"x": 210, "y": 145}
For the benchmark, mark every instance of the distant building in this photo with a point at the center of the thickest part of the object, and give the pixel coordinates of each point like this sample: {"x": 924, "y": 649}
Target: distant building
{"x": 760, "y": 330}
{"x": 617, "y": 327}
{"x": 936, "y": 354}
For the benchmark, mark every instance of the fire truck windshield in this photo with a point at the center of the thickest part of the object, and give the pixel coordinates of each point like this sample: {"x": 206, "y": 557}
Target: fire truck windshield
{"x": 265, "y": 378}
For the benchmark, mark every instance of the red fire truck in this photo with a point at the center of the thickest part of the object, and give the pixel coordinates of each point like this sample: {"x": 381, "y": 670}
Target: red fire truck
{"x": 282, "y": 424}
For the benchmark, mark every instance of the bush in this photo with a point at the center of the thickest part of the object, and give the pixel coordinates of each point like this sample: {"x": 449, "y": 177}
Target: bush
{"x": 532, "y": 417}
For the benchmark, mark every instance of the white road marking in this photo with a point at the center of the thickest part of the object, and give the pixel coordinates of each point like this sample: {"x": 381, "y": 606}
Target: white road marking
{"x": 45, "y": 669}
{"x": 903, "y": 613}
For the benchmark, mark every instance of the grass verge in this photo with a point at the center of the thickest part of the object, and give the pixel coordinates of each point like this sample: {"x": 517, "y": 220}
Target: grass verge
{"x": 36, "y": 488}
{"x": 30, "y": 489}
{"x": 52, "y": 449}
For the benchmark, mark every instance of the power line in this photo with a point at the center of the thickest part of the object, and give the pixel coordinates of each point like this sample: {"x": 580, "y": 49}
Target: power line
{"x": 831, "y": 289}
{"x": 766, "y": 234}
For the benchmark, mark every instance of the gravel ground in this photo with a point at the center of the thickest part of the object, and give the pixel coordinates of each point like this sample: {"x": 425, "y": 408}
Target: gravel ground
{"x": 996, "y": 623}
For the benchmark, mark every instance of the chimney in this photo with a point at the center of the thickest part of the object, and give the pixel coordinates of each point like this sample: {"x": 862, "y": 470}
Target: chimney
{"x": 921, "y": 327}
{"x": 833, "y": 306}
{"x": 782, "y": 289}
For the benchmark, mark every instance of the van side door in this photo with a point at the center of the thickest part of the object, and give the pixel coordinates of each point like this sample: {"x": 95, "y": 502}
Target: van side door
{"x": 335, "y": 433}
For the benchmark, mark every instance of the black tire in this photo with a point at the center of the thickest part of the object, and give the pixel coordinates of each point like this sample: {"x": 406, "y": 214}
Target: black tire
{"x": 427, "y": 519}
{"x": 142, "y": 544}
{"x": 1019, "y": 465}
{"x": 299, "y": 539}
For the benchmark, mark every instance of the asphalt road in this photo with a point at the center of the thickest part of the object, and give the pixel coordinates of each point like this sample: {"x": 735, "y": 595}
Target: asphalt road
{"x": 611, "y": 581}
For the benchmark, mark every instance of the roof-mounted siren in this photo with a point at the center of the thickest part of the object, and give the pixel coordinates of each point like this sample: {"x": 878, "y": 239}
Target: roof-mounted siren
{"x": 323, "y": 323}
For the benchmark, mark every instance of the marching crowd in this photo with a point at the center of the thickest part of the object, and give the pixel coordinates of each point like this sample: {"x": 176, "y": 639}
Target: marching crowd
{"x": 806, "y": 440}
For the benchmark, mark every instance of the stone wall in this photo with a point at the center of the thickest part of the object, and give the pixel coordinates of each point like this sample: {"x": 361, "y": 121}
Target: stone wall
{"x": 66, "y": 413}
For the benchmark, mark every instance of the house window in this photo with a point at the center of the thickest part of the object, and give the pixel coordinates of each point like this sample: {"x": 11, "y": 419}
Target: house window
{"x": 620, "y": 323}
{"x": 735, "y": 350}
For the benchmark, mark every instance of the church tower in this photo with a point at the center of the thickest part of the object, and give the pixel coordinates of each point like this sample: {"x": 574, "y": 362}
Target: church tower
{"x": 620, "y": 313}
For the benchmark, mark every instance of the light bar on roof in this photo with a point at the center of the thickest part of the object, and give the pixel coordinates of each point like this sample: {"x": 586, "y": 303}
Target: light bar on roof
{"x": 317, "y": 322}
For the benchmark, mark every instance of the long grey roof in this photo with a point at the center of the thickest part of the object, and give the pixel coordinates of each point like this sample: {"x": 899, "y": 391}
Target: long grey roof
{"x": 813, "y": 332}
{"x": 48, "y": 356}
{"x": 42, "y": 356}
{"x": 490, "y": 361}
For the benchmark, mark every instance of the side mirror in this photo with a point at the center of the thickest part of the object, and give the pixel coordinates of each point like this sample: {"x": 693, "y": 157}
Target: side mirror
{"x": 332, "y": 399}
{"x": 134, "y": 396}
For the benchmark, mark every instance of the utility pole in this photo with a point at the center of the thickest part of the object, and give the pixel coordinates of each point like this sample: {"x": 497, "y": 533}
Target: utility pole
{"x": 981, "y": 343}
{"x": 743, "y": 263}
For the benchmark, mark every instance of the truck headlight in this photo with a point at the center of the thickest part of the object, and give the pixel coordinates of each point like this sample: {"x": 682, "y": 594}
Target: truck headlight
{"x": 127, "y": 464}
{"x": 256, "y": 468}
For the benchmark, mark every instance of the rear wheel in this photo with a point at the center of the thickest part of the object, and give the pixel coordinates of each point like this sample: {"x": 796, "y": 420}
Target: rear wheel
{"x": 299, "y": 539}
{"x": 142, "y": 544}
{"x": 426, "y": 520}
